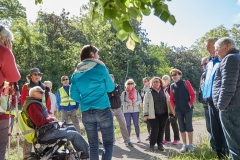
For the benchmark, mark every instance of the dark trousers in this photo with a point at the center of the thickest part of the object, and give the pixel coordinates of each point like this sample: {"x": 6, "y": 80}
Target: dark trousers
{"x": 207, "y": 119}
{"x": 157, "y": 126}
{"x": 148, "y": 127}
{"x": 173, "y": 122}
{"x": 216, "y": 130}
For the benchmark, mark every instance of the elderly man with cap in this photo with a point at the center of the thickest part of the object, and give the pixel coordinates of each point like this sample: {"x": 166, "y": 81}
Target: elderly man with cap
{"x": 34, "y": 80}
{"x": 66, "y": 105}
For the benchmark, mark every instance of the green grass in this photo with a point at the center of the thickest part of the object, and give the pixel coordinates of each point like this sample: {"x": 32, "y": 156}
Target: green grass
{"x": 202, "y": 150}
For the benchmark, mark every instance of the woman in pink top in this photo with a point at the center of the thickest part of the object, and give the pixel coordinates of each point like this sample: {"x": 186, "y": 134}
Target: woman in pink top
{"x": 9, "y": 73}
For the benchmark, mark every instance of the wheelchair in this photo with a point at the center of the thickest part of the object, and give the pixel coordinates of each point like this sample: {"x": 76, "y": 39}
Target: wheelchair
{"x": 55, "y": 149}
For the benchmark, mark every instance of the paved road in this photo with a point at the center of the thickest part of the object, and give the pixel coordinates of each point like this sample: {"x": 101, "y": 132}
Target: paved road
{"x": 141, "y": 152}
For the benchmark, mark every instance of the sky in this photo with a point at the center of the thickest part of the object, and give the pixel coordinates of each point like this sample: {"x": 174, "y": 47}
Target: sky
{"x": 194, "y": 18}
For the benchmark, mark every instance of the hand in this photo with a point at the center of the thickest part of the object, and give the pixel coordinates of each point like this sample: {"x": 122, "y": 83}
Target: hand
{"x": 134, "y": 105}
{"x": 145, "y": 118}
{"x": 112, "y": 94}
{"x": 55, "y": 119}
{"x": 130, "y": 104}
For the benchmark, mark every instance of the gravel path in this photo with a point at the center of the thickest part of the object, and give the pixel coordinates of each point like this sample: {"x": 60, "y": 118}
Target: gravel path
{"x": 141, "y": 152}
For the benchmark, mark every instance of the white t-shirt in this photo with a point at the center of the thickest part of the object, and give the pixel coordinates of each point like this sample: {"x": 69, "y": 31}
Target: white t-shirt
{"x": 53, "y": 104}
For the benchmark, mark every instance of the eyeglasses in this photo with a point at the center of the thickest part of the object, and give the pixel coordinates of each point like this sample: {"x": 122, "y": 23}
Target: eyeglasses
{"x": 36, "y": 74}
{"x": 174, "y": 75}
{"x": 41, "y": 92}
{"x": 129, "y": 83}
{"x": 64, "y": 79}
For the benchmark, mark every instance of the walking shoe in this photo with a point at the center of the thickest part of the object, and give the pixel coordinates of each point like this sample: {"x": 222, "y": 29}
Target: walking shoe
{"x": 160, "y": 147}
{"x": 183, "y": 149}
{"x": 129, "y": 144}
{"x": 138, "y": 140}
{"x": 175, "y": 142}
{"x": 101, "y": 151}
{"x": 191, "y": 147}
{"x": 151, "y": 149}
{"x": 165, "y": 142}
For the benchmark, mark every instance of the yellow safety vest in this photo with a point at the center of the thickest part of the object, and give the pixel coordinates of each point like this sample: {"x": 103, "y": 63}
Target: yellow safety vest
{"x": 65, "y": 99}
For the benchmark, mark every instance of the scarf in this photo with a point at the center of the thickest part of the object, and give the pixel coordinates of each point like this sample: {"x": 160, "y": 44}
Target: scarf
{"x": 131, "y": 94}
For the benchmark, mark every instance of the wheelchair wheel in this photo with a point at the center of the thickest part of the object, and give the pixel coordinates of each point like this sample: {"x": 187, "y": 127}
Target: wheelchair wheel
{"x": 31, "y": 158}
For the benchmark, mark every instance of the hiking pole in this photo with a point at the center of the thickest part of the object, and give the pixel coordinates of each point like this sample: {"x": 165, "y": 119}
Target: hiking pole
{"x": 9, "y": 123}
{"x": 16, "y": 88}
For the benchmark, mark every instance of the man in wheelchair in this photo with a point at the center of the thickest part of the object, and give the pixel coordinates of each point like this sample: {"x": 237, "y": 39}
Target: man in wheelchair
{"x": 47, "y": 130}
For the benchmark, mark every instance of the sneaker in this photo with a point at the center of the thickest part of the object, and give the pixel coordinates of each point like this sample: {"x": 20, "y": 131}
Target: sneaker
{"x": 129, "y": 144}
{"x": 165, "y": 142}
{"x": 191, "y": 147}
{"x": 101, "y": 151}
{"x": 175, "y": 142}
{"x": 183, "y": 149}
{"x": 160, "y": 147}
{"x": 138, "y": 140}
{"x": 151, "y": 149}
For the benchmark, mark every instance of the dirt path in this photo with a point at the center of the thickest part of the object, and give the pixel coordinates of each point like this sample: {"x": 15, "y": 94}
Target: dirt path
{"x": 141, "y": 152}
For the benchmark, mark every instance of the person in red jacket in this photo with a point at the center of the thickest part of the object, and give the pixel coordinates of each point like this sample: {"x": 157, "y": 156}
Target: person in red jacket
{"x": 34, "y": 78}
{"x": 182, "y": 97}
{"x": 9, "y": 73}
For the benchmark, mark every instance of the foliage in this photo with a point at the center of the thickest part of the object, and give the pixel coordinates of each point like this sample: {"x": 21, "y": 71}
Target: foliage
{"x": 121, "y": 13}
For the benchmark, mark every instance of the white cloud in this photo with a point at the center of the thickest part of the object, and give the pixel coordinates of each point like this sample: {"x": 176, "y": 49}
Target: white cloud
{"x": 237, "y": 17}
{"x": 238, "y": 2}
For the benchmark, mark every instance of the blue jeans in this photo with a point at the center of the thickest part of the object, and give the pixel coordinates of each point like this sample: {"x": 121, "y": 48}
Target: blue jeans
{"x": 104, "y": 118}
{"x": 207, "y": 119}
{"x": 135, "y": 117}
{"x": 217, "y": 131}
{"x": 230, "y": 120}
{"x": 71, "y": 134}
{"x": 185, "y": 121}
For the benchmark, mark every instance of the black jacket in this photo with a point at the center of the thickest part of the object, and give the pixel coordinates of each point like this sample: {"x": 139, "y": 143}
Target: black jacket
{"x": 226, "y": 85}
{"x": 114, "y": 97}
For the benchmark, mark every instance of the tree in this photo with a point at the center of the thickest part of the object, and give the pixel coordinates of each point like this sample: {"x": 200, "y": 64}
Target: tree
{"x": 121, "y": 12}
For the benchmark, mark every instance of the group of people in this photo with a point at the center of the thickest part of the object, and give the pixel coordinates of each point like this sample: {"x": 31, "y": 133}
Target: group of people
{"x": 220, "y": 92}
{"x": 94, "y": 91}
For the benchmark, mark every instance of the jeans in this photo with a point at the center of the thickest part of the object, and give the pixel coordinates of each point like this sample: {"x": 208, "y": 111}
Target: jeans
{"x": 185, "y": 121}
{"x": 104, "y": 118}
{"x": 230, "y": 120}
{"x": 217, "y": 131}
{"x": 4, "y": 135}
{"x": 71, "y": 134}
{"x": 135, "y": 117}
{"x": 122, "y": 123}
{"x": 73, "y": 116}
{"x": 173, "y": 121}
{"x": 157, "y": 125}
{"x": 207, "y": 119}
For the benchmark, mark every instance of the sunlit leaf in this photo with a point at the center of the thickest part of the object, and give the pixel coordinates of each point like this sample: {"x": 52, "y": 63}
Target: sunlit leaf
{"x": 122, "y": 35}
{"x": 130, "y": 44}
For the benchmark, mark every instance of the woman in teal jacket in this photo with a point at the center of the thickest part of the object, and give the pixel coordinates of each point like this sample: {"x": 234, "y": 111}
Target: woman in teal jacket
{"x": 90, "y": 83}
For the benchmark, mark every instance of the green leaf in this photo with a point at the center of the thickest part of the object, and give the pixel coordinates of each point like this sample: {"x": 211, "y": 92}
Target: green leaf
{"x": 122, "y": 35}
{"x": 135, "y": 37}
{"x": 164, "y": 16}
{"x": 93, "y": 0}
{"x": 110, "y": 13}
{"x": 116, "y": 25}
{"x": 165, "y": 7}
{"x": 130, "y": 44}
{"x": 158, "y": 10}
{"x": 137, "y": 3}
{"x": 133, "y": 12}
{"x": 127, "y": 27}
{"x": 95, "y": 15}
{"x": 172, "y": 19}
{"x": 146, "y": 11}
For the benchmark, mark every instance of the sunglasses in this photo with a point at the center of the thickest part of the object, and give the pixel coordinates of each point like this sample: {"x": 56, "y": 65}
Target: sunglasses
{"x": 64, "y": 79}
{"x": 174, "y": 75}
{"x": 129, "y": 83}
{"x": 37, "y": 74}
{"x": 41, "y": 92}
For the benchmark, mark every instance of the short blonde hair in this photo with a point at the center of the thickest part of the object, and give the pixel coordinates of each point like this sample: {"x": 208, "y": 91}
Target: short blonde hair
{"x": 47, "y": 82}
{"x": 154, "y": 78}
{"x": 176, "y": 71}
{"x": 130, "y": 80}
{"x": 34, "y": 89}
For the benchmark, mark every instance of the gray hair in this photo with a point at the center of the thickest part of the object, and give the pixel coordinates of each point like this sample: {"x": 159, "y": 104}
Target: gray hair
{"x": 47, "y": 82}
{"x": 34, "y": 89}
{"x": 211, "y": 39}
{"x": 225, "y": 41}
{"x": 166, "y": 76}
{"x": 130, "y": 80}
{"x": 5, "y": 33}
